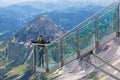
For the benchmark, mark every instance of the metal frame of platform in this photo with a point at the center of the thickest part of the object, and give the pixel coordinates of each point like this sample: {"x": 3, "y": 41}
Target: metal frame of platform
{"x": 84, "y": 52}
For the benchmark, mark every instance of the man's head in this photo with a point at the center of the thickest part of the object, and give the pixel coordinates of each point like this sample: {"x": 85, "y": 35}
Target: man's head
{"x": 40, "y": 37}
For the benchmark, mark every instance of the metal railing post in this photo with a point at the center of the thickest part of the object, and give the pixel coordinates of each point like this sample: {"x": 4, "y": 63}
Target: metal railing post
{"x": 62, "y": 52}
{"x": 78, "y": 43}
{"x": 34, "y": 59}
{"x": 117, "y": 21}
{"x": 47, "y": 59}
{"x": 57, "y": 52}
{"x": 97, "y": 33}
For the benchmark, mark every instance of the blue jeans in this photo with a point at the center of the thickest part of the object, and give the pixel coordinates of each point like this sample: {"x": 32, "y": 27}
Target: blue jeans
{"x": 41, "y": 58}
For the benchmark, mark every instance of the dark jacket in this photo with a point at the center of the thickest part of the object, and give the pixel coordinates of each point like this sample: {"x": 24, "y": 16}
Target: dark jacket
{"x": 41, "y": 42}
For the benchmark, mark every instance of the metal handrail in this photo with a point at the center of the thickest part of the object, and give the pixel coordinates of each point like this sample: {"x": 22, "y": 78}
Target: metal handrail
{"x": 37, "y": 44}
{"x": 86, "y": 20}
{"x": 105, "y": 13}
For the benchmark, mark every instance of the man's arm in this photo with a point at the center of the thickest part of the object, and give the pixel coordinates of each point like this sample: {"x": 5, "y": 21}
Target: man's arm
{"x": 46, "y": 42}
{"x": 34, "y": 41}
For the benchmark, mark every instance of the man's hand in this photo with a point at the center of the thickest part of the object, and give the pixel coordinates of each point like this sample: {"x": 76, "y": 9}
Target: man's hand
{"x": 31, "y": 40}
{"x": 48, "y": 41}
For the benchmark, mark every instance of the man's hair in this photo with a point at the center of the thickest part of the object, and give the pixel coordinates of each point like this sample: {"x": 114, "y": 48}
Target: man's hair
{"x": 40, "y": 35}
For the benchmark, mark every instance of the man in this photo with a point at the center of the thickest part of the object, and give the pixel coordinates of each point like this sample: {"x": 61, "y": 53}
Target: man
{"x": 41, "y": 41}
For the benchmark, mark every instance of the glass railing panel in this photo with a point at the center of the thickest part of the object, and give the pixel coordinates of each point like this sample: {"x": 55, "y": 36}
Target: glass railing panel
{"x": 54, "y": 55}
{"x": 108, "y": 9}
{"x": 87, "y": 33}
{"x": 39, "y": 56}
{"x": 104, "y": 22}
{"x": 70, "y": 45}
{"x": 107, "y": 23}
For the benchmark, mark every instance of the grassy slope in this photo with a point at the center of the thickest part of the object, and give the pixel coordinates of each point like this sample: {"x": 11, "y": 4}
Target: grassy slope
{"x": 1, "y": 42}
{"x": 2, "y": 49}
{"x": 1, "y": 33}
{"x": 19, "y": 70}
{"x": 4, "y": 63}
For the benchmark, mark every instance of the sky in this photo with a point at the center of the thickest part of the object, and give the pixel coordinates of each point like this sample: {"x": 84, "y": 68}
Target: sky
{"x": 10, "y": 2}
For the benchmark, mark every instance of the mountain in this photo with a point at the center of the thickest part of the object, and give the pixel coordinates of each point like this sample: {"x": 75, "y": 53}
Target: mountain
{"x": 40, "y": 25}
{"x": 41, "y": 5}
{"x": 18, "y": 15}
{"x": 8, "y": 18}
{"x": 44, "y": 5}
{"x": 24, "y": 9}
{"x": 62, "y": 4}
{"x": 70, "y": 17}
{"x": 14, "y": 17}
{"x": 8, "y": 23}
{"x": 16, "y": 52}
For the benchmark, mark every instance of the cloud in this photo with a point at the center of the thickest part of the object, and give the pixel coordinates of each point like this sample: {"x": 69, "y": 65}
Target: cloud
{"x": 10, "y": 2}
